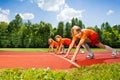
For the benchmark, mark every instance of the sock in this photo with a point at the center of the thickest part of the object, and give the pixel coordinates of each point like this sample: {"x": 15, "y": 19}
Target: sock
{"x": 109, "y": 48}
{"x": 88, "y": 49}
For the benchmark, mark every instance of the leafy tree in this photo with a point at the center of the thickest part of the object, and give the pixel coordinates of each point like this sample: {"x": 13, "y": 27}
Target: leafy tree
{"x": 106, "y": 26}
{"x": 4, "y": 42}
{"x": 98, "y": 31}
{"x": 68, "y": 30}
{"x": 77, "y": 22}
{"x": 53, "y": 32}
{"x": 15, "y": 24}
{"x": 19, "y": 34}
{"x": 60, "y": 29}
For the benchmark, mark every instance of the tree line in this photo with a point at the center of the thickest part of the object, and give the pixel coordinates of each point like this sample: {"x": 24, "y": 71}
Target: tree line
{"x": 19, "y": 34}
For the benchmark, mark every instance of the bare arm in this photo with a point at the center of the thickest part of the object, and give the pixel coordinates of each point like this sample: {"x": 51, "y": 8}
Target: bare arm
{"x": 49, "y": 48}
{"x": 70, "y": 47}
{"x": 56, "y": 50}
{"x": 77, "y": 49}
{"x": 52, "y": 49}
{"x": 59, "y": 49}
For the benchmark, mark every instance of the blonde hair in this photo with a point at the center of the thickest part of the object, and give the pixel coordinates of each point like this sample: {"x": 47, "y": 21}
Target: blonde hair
{"x": 50, "y": 39}
{"x": 58, "y": 36}
{"x": 77, "y": 28}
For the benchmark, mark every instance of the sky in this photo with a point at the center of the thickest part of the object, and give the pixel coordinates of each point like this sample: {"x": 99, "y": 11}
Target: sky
{"x": 91, "y": 12}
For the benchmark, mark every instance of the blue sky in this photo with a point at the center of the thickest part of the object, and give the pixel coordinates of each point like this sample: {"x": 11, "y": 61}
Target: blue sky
{"x": 91, "y": 12}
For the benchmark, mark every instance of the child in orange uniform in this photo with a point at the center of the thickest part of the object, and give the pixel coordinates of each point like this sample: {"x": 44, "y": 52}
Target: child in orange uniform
{"x": 90, "y": 36}
{"x": 62, "y": 42}
{"x": 52, "y": 44}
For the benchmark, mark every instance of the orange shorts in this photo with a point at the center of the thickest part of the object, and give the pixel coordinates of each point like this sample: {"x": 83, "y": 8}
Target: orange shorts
{"x": 94, "y": 39}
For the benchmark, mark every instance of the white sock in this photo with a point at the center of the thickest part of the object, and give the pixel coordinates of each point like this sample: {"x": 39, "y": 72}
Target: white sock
{"x": 109, "y": 48}
{"x": 88, "y": 49}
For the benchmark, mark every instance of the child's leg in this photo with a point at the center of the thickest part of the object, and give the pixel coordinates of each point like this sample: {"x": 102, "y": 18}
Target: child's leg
{"x": 90, "y": 53}
{"x": 100, "y": 45}
{"x": 114, "y": 52}
{"x": 87, "y": 48}
{"x": 62, "y": 50}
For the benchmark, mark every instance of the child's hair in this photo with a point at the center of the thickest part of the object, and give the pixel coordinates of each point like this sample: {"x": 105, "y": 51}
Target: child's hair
{"x": 50, "y": 39}
{"x": 77, "y": 28}
{"x": 58, "y": 36}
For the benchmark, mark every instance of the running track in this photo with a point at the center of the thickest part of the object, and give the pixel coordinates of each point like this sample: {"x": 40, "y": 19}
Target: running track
{"x": 51, "y": 60}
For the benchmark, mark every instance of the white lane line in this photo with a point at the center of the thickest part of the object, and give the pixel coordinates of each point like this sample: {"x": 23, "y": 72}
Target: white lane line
{"x": 75, "y": 64}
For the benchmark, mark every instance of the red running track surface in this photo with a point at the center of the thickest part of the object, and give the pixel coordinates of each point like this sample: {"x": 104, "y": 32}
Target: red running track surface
{"x": 51, "y": 60}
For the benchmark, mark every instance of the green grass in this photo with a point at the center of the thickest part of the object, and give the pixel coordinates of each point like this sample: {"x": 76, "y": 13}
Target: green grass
{"x": 43, "y": 49}
{"x": 26, "y": 49}
{"x": 94, "y": 72}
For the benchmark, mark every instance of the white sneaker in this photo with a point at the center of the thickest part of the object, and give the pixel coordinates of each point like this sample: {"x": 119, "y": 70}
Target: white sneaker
{"x": 90, "y": 56}
{"x": 114, "y": 54}
{"x": 82, "y": 52}
{"x": 63, "y": 52}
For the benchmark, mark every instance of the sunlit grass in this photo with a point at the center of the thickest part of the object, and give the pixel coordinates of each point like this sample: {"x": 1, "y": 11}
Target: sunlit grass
{"x": 45, "y": 49}
{"x": 94, "y": 72}
{"x": 26, "y": 49}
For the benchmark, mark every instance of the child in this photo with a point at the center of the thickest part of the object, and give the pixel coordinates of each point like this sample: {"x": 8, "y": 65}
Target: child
{"x": 90, "y": 36}
{"x": 62, "y": 42}
{"x": 52, "y": 44}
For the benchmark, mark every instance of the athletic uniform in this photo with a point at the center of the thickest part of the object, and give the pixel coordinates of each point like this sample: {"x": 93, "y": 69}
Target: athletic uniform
{"x": 54, "y": 44}
{"x": 88, "y": 33}
{"x": 66, "y": 41}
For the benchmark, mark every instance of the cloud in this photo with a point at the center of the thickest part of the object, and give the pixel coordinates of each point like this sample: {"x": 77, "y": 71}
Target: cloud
{"x": 49, "y": 5}
{"x": 4, "y": 13}
{"x": 67, "y": 13}
{"x": 110, "y": 12}
{"x": 27, "y": 16}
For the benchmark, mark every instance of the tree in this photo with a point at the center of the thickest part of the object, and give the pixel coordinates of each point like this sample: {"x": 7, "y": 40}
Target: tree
{"x": 53, "y": 32}
{"x": 77, "y": 22}
{"x": 13, "y": 29}
{"x": 98, "y": 31}
{"x": 68, "y": 30}
{"x": 4, "y": 42}
{"x": 15, "y": 24}
{"x": 60, "y": 28}
{"x": 28, "y": 24}
{"x": 106, "y": 26}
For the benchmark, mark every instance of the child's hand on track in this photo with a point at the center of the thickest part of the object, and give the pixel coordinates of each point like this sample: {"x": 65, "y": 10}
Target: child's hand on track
{"x": 65, "y": 56}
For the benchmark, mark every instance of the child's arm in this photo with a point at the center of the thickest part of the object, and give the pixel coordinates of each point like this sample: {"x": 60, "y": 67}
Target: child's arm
{"x": 49, "y": 48}
{"x": 52, "y": 49}
{"x": 59, "y": 49}
{"x": 77, "y": 49}
{"x": 56, "y": 50}
{"x": 70, "y": 47}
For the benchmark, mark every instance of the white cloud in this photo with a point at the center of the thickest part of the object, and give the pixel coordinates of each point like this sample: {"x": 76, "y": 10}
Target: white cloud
{"x": 110, "y": 12}
{"x": 27, "y": 16}
{"x": 49, "y": 5}
{"x": 67, "y": 13}
{"x": 4, "y": 15}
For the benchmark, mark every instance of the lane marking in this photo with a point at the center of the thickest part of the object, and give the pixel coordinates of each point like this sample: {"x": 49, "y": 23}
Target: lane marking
{"x": 75, "y": 64}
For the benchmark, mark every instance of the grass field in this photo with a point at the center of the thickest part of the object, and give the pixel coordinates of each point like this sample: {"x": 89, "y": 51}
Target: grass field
{"x": 94, "y": 72}
{"x": 43, "y": 49}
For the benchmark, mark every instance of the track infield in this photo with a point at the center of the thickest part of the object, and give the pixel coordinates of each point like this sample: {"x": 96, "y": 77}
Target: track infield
{"x": 13, "y": 59}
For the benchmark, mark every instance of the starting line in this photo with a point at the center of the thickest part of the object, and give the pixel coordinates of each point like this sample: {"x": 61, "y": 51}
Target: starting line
{"x": 75, "y": 64}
